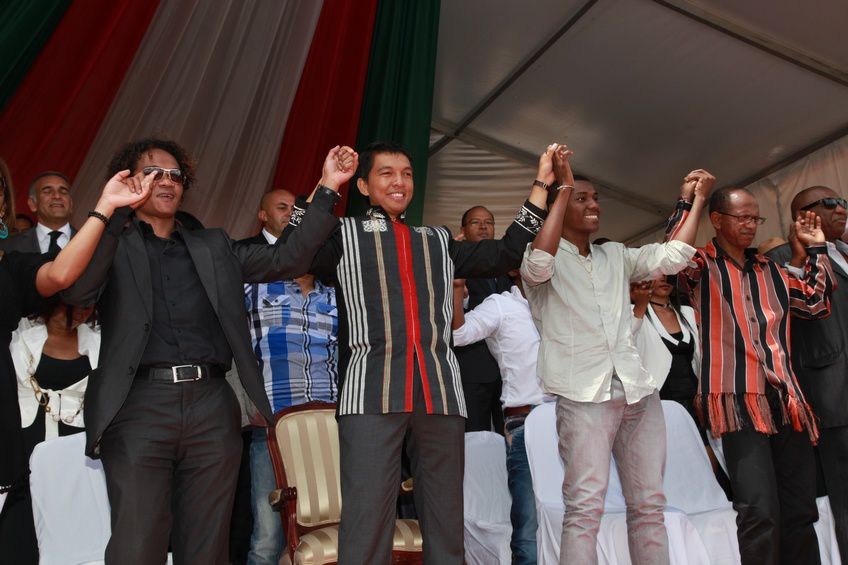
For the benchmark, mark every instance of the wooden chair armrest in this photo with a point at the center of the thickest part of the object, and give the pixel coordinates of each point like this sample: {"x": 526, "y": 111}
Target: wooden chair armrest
{"x": 285, "y": 502}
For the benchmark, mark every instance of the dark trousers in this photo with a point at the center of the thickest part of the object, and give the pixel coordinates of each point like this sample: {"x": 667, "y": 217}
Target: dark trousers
{"x": 171, "y": 458}
{"x": 370, "y": 451}
{"x": 774, "y": 487}
{"x": 483, "y": 404}
{"x": 833, "y": 453}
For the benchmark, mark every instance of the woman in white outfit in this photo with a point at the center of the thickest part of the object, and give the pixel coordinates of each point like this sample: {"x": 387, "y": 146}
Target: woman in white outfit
{"x": 667, "y": 339}
{"x": 52, "y": 359}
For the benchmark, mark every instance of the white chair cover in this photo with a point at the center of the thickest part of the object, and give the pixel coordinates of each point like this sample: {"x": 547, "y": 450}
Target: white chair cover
{"x": 487, "y": 500}
{"x": 686, "y": 543}
{"x": 69, "y": 503}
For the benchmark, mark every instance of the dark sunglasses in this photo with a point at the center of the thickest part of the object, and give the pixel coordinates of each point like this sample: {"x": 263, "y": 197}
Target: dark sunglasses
{"x": 828, "y": 203}
{"x": 174, "y": 175}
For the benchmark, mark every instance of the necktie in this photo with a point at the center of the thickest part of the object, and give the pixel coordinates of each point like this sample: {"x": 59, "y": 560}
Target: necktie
{"x": 53, "y": 249}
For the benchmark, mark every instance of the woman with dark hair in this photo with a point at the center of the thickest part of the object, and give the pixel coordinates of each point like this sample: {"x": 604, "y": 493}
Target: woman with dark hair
{"x": 25, "y": 279}
{"x": 666, "y": 336}
{"x": 52, "y": 359}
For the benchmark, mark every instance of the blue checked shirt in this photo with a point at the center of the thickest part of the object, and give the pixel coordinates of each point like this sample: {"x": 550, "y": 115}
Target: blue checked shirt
{"x": 295, "y": 339}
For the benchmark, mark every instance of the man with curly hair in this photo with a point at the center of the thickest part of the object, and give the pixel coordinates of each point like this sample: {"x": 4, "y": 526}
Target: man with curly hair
{"x": 158, "y": 409}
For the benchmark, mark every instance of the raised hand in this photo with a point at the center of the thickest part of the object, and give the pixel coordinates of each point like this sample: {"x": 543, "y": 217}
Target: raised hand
{"x": 124, "y": 190}
{"x": 697, "y": 183}
{"x": 545, "y": 173}
{"x": 339, "y": 166}
{"x": 808, "y": 229}
{"x": 640, "y": 295}
{"x": 562, "y": 168}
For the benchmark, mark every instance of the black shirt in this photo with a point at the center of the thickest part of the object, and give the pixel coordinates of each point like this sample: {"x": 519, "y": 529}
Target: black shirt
{"x": 185, "y": 328}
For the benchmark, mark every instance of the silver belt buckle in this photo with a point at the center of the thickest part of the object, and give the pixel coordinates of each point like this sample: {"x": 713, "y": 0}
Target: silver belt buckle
{"x": 198, "y": 373}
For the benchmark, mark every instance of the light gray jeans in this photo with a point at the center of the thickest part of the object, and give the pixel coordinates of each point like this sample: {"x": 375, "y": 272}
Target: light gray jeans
{"x": 589, "y": 433}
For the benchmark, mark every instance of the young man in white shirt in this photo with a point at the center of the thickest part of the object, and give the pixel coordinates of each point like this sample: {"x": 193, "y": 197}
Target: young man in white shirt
{"x": 607, "y": 403}
{"x": 505, "y": 322}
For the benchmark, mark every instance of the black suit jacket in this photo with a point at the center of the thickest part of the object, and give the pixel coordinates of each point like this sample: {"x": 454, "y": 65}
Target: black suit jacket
{"x": 25, "y": 242}
{"x": 819, "y": 351}
{"x": 118, "y": 280}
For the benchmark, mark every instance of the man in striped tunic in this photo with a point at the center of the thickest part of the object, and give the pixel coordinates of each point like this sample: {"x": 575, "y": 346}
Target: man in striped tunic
{"x": 748, "y": 393}
{"x": 399, "y": 377}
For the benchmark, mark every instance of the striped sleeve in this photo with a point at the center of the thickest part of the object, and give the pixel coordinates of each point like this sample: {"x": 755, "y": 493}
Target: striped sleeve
{"x": 810, "y": 298}
{"x": 677, "y": 219}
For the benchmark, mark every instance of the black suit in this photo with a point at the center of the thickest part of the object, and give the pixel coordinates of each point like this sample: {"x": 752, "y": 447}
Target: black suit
{"x": 25, "y": 241}
{"x": 173, "y": 448}
{"x": 819, "y": 351}
{"x": 481, "y": 377}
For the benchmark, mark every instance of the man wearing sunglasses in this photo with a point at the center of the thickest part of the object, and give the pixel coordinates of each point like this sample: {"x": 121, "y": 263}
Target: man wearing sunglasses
{"x": 748, "y": 394}
{"x": 820, "y": 353}
{"x": 158, "y": 409}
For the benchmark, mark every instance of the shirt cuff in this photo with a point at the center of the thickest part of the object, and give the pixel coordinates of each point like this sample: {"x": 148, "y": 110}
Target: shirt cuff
{"x": 530, "y": 217}
{"x": 817, "y": 249}
{"x": 537, "y": 266}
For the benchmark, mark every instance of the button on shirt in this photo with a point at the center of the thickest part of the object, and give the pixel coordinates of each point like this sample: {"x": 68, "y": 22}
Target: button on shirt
{"x": 185, "y": 328}
{"x": 295, "y": 339}
{"x": 582, "y": 308}
{"x": 504, "y": 321}
{"x": 43, "y": 234}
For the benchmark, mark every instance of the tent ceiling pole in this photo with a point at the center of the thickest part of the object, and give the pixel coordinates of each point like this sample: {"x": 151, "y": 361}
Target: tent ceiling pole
{"x": 510, "y": 79}
{"x": 759, "y": 175}
{"x": 761, "y": 42}
{"x": 530, "y": 160}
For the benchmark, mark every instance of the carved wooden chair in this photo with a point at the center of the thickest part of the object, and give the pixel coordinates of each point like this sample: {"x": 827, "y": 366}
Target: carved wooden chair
{"x": 304, "y": 446}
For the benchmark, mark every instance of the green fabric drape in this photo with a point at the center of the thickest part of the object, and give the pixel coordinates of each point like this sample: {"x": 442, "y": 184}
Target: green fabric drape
{"x": 398, "y": 99}
{"x": 25, "y": 26}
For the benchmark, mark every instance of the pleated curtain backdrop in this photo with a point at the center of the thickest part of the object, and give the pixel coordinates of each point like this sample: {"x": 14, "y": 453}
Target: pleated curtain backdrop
{"x": 219, "y": 78}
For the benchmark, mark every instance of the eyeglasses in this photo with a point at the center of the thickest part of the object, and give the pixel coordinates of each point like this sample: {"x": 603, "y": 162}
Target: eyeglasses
{"x": 174, "y": 175}
{"x": 759, "y": 220}
{"x": 828, "y": 203}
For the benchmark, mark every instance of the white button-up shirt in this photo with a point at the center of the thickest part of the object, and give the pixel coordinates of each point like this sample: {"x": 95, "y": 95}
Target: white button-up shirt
{"x": 43, "y": 233}
{"x": 582, "y": 308}
{"x": 504, "y": 321}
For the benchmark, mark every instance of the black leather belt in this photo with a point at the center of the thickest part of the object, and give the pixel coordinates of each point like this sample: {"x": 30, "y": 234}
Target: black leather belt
{"x": 180, "y": 373}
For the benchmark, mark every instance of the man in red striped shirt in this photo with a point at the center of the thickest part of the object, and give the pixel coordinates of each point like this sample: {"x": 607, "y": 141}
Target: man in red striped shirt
{"x": 748, "y": 393}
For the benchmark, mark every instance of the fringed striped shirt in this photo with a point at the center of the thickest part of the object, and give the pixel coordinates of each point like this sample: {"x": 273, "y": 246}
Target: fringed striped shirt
{"x": 743, "y": 312}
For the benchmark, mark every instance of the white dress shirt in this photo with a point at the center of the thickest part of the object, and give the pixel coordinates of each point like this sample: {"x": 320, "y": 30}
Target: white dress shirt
{"x": 582, "y": 308}
{"x": 43, "y": 233}
{"x": 504, "y": 321}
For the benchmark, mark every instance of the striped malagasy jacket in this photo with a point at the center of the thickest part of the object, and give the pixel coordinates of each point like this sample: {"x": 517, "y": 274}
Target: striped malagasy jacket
{"x": 394, "y": 286}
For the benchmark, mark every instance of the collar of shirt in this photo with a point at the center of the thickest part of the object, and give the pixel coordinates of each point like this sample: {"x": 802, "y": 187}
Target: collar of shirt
{"x": 837, "y": 250}
{"x": 269, "y": 237}
{"x": 43, "y": 234}
{"x": 378, "y": 212}
{"x": 714, "y": 251}
{"x": 147, "y": 230}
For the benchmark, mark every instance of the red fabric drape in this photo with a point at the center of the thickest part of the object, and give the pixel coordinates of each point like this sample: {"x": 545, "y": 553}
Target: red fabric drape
{"x": 325, "y": 111}
{"x": 56, "y": 112}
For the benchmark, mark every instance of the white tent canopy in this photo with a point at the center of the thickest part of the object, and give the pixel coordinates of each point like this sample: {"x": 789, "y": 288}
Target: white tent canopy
{"x": 643, "y": 91}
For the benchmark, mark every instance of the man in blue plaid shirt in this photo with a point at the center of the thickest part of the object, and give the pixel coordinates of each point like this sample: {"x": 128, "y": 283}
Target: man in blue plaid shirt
{"x": 294, "y": 328}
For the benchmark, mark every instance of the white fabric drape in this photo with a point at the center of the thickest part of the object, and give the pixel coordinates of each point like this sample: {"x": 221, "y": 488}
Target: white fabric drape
{"x": 219, "y": 78}
{"x": 827, "y": 166}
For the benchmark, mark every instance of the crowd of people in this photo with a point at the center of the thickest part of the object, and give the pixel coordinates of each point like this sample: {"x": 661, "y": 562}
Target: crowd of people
{"x": 126, "y": 328}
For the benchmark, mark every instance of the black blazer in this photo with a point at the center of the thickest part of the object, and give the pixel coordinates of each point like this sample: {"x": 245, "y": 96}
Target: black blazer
{"x": 25, "y": 242}
{"x": 819, "y": 351}
{"x": 118, "y": 280}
